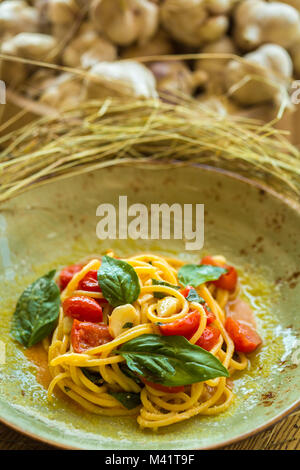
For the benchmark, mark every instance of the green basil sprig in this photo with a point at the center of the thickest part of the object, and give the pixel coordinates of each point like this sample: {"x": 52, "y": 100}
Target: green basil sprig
{"x": 193, "y": 296}
{"x": 37, "y": 311}
{"x": 125, "y": 369}
{"x": 197, "y": 274}
{"x": 170, "y": 360}
{"x": 118, "y": 281}
{"x": 128, "y": 399}
{"x": 93, "y": 376}
{"x": 157, "y": 282}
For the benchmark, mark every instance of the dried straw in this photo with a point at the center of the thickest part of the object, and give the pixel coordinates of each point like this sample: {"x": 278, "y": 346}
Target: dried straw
{"x": 116, "y": 131}
{"x": 127, "y": 130}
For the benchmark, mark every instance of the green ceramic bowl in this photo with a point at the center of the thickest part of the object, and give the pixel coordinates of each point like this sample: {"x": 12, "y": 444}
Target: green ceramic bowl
{"x": 255, "y": 229}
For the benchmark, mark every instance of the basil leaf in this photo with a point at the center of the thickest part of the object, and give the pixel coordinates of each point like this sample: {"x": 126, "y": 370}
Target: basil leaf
{"x": 128, "y": 399}
{"x": 197, "y": 274}
{"x": 118, "y": 281}
{"x": 193, "y": 296}
{"x": 36, "y": 311}
{"x": 170, "y": 360}
{"x": 160, "y": 295}
{"x": 128, "y": 324}
{"x": 93, "y": 376}
{"x": 130, "y": 374}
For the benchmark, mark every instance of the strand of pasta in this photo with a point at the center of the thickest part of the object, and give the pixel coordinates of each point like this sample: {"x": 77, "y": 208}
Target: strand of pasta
{"x": 155, "y": 420}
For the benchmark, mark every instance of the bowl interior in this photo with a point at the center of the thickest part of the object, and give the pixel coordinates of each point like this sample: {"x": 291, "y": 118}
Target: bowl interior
{"x": 257, "y": 231}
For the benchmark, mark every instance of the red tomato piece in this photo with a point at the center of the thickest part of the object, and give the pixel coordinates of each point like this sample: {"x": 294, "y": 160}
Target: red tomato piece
{"x": 163, "y": 388}
{"x": 210, "y": 260}
{"x": 185, "y": 292}
{"x": 86, "y": 335}
{"x": 210, "y": 315}
{"x": 90, "y": 282}
{"x": 67, "y": 273}
{"x": 228, "y": 280}
{"x": 83, "y": 308}
{"x": 245, "y": 338}
{"x": 209, "y": 338}
{"x": 185, "y": 326}
{"x": 241, "y": 311}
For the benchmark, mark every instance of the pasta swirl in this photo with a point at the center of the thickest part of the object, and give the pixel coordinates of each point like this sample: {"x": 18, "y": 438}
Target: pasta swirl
{"x": 158, "y": 407}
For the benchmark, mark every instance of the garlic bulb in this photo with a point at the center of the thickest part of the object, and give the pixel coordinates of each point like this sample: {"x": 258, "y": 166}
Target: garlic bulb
{"x": 32, "y": 46}
{"x": 16, "y": 17}
{"x": 64, "y": 91}
{"x": 87, "y": 49}
{"x": 292, "y": 3}
{"x": 127, "y": 21}
{"x": 214, "y": 67}
{"x": 217, "y": 104}
{"x": 175, "y": 76}
{"x": 159, "y": 44}
{"x": 219, "y": 7}
{"x": 62, "y": 11}
{"x": 39, "y": 81}
{"x": 190, "y": 22}
{"x": 258, "y": 22}
{"x": 126, "y": 76}
{"x": 263, "y": 77}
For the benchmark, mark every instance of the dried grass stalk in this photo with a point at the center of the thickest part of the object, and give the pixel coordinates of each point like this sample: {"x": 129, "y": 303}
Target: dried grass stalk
{"x": 124, "y": 130}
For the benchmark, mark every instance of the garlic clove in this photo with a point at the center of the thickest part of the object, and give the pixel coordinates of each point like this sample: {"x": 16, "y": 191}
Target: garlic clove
{"x": 123, "y": 318}
{"x": 167, "y": 306}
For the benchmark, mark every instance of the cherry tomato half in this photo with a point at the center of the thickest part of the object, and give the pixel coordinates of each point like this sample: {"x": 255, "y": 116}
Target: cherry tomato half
{"x": 186, "y": 290}
{"x": 185, "y": 326}
{"x": 228, "y": 280}
{"x": 67, "y": 273}
{"x": 89, "y": 282}
{"x": 163, "y": 388}
{"x": 83, "y": 308}
{"x": 210, "y": 315}
{"x": 209, "y": 338}
{"x": 245, "y": 338}
{"x": 86, "y": 335}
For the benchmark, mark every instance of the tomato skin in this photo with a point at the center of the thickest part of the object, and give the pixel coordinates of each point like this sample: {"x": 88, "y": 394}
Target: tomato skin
{"x": 209, "y": 338}
{"x": 83, "y": 308}
{"x": 245, "y": 338}
{"x": 163, "y": 388}
{"x": 209, "y": 260}
{"x": 86, "y": 335}
{"x": 210, "y": 315}
{"x": 227, "y": 281}
{"x": 89, "y": 282}
{"x": 185, "y": 292}
{"x": 185, "y": 326}
{"x": 67, "y": 274}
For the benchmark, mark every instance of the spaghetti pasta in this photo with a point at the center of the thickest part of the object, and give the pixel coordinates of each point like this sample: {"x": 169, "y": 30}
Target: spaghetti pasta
{"x": 73, "y": 371}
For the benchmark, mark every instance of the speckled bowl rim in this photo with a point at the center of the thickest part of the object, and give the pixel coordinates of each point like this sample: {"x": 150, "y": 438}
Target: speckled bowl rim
{"x": 270, "y": 423}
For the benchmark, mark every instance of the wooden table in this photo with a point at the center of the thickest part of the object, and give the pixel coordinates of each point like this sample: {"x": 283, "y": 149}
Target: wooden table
{"x": 285, "y": 435}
